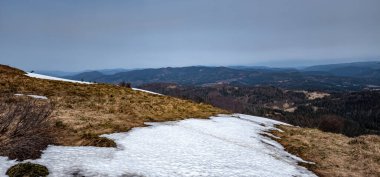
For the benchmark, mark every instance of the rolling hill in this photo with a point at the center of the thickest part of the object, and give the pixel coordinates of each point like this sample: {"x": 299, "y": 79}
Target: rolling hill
{"x": 357, "y": 112}
{"x": 80, "y": 112}
{"x": 356, "y": 69}
{"x": 340, "y": 77}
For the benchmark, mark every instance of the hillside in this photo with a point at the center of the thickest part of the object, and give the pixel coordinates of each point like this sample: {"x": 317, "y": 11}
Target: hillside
{"x": 81, "y": 112}
{"x": 334, "y": 154}
{"x": 357, "y": 112}
{"x": 197, "y": 73}
{"x": 222, "y": 146}
{"x": 88, "y": 76}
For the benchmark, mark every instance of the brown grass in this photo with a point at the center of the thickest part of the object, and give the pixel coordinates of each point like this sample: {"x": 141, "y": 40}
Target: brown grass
{"x": 334, "y": 154}
{"x": 82, "y": 112}
{"x": 4, "y": 69}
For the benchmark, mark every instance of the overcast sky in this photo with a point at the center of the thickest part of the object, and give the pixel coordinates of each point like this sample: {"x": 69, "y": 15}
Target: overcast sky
{"x": 75, "y": 35}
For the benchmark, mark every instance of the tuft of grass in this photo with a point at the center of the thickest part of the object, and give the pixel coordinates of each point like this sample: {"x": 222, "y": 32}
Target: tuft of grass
{"x": 4, "y": 69}
{"x": 95, "y": 140}
{"x": 334, "y": 154}
{"x": 59, "y": 124}
{"x": 27, "y": 169}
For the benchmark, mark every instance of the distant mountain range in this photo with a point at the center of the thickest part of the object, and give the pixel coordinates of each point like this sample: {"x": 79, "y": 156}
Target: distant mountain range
{"x": 334, "y": 77}
{"x": 66, "y": 73}
{"x": 358, "y": 69}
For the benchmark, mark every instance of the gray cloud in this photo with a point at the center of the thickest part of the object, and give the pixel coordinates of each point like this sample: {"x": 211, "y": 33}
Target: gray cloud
{"x": 76, "y": 35}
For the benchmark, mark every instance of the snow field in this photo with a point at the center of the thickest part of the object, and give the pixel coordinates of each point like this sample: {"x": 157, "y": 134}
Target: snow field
{"x": 226, "y": 145}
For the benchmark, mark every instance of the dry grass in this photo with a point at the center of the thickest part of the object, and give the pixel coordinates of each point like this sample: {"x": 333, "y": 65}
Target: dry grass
{"x": 82, "y": 112}
{"x": 334, "y": 154}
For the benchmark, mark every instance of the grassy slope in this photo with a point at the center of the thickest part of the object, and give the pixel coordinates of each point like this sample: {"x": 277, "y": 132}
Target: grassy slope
{"x": 334, "y": 154}
{"x": 84, "y": 111}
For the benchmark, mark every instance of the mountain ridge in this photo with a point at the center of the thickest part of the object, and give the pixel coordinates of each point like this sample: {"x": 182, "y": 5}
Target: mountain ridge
{"x": 341, "y": 78}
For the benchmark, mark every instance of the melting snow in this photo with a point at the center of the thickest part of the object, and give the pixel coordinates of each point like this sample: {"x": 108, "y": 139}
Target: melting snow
{"x": 5, "y": 163}
{"x": 33, "y": 96}
{"x": 38, "y": 97}
{"x": 40, "y": 76}
{"x": 227, "y": 145}
{"x": 137, "y": 89}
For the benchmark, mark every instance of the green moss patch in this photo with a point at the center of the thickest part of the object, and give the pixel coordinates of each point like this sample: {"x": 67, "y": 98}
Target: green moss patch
{"x": 27, "y": 169}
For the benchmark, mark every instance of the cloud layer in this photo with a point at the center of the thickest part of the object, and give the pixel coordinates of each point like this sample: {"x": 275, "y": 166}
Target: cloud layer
{"x": 76, "y": 35}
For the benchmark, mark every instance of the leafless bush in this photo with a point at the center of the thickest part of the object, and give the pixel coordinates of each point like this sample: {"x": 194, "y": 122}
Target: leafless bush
{"x": 125, "y": 84}
{"x": 25, "y": 128}
{"x": 331, "y": 123}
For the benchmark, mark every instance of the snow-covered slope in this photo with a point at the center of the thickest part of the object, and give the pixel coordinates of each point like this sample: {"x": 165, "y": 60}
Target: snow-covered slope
{"x": 226, "y": 145}
{"x": 141, "y": 90}
{"x": 40, "y": 76}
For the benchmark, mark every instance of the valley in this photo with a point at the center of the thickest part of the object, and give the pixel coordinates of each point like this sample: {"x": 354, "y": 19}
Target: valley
{"x": 350, "y": 113}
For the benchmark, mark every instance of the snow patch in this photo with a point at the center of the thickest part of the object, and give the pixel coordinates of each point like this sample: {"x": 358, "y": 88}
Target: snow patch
{"x": 5, "y": 164}
{"x": 137, "y": 89}
{"x": 33, "y": 96}
{"x": 38, "y": 97}
{"x": 225, "y": 145}
{"x": 40, "y": 76}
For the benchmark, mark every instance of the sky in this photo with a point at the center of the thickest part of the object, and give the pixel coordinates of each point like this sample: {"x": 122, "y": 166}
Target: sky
{"x": 74, "y": 35}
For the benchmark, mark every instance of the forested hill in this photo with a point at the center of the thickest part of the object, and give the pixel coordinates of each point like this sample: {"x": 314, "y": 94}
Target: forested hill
{"x": 350, "y": 113}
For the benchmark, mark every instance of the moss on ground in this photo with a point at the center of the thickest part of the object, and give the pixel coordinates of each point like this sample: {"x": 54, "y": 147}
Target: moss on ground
{"x": 27, "y": 170}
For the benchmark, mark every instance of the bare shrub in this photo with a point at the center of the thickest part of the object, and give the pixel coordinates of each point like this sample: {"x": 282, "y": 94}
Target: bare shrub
{"x": 25, "y": 127}
{"x": 331, "y": 123}
{"x": 125, "y": 84}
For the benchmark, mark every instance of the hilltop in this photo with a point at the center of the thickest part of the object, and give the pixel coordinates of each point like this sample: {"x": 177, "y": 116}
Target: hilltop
{"x": 80, "y": 112}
